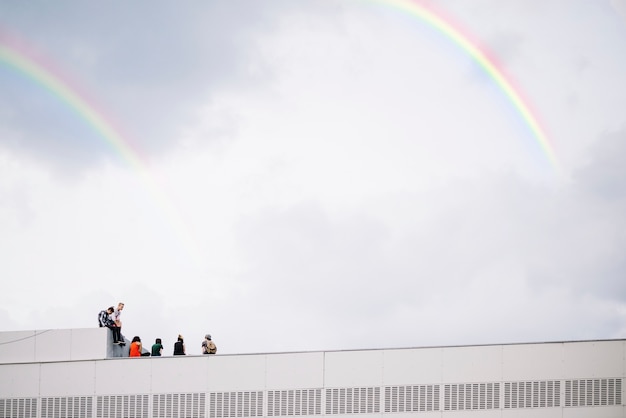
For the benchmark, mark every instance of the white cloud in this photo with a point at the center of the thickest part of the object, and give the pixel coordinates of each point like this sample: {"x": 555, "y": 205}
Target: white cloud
{"x": 377, "y": 190}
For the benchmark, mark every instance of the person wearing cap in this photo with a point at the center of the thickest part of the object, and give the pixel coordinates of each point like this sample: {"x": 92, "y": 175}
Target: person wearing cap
{"x": 208, "y": 346}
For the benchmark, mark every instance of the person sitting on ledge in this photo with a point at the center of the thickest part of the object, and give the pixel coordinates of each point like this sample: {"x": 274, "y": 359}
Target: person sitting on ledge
{"x": 208, "y": 346}
{"x": 135, "y": 347}
{"x": 179, "y": 346}
{"x": 105, "y": 320}
{"x": 157, "y": 348}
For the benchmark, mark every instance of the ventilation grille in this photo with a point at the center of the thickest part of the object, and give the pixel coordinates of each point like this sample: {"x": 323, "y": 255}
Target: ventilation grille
{"x": 179, "y": 405}
{"x": 18, "y": 408}
{"x": 469, "y": 396}
{"x": 593, "y": 392}
{"x": 294, "y": 402}
{"x": 537, "y": 394}
{"x": 353, "y": 401}
{"x": 63, "y": 407}
{"x": 236, "y": 404}
{"x": 127, "y": 406}
{"x": 412, "y": 398}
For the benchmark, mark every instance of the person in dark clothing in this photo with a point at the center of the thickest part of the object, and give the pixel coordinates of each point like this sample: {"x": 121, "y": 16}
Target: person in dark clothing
{"x": 105, "y": 319}
{"x": 179, "y": 346}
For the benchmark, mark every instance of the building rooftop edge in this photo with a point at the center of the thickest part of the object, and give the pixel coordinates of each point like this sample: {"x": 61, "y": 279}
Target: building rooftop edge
{"x": 41, "y": 331}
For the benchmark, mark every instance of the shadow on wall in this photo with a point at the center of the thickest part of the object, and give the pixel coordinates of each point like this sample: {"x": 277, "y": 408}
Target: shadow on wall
{"x": 116, "y": 350}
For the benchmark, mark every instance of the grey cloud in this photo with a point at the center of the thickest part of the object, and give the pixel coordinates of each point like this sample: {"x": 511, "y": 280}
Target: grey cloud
{"x": 605, "y": 173}
{"x": 7, "y": 322}
{"x": 458, "y": 258}
{"x": 140, "y": 66}
{"x": 146, "y": 66}
{"x": 304, "y": 254}
{"x": 506, "y": 47}
{"x": 602, "y": 185}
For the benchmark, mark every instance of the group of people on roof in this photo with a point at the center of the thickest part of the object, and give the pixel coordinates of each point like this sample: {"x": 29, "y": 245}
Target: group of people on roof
{"x": 110, "y": 318}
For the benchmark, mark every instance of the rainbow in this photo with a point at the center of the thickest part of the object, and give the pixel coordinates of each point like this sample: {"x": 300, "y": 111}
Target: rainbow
{"x": 16, "y": 56}
{"x": 485, "y": 60}
{"x": 34, "y": 69}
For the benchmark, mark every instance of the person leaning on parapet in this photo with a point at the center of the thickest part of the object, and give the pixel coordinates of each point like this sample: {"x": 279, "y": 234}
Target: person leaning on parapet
{"x": 157, "y": 348}
{"x": 208, "y": 346}
{"x": 117, "y": 313}
{"x": 105, "y": 319}
{"x": 179, "y": 346}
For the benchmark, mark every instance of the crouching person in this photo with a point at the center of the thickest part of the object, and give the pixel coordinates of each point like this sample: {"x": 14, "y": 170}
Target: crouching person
{"x": 105, "y": 319}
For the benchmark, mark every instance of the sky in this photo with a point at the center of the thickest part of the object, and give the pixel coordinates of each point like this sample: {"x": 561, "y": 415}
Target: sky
{"x": 315, "y": 175}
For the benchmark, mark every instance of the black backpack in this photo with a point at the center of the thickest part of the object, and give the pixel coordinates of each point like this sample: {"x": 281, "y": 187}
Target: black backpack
{"x": 103, "y": 319}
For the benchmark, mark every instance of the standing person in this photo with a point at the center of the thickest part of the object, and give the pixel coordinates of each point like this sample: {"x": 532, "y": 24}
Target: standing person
{"x": 135, "y": 347}
{"x": 179, "y": 346}
{"x": 117, "y": 313}
{"x": 208, "y": 346}
{"x": 157, "y": 348}
{"x": 105, "y": 319}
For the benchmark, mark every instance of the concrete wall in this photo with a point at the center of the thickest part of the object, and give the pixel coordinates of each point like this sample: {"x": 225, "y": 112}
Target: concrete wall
{"x": 570, "y": 379}
{"x": 53, "y": 345}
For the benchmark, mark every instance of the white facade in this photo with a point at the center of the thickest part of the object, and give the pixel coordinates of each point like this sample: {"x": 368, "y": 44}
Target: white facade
{"x": 72, "y": 374}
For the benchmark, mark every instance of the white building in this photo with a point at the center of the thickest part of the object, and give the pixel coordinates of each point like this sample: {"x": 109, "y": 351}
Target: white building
{"x": 73, "y": 374}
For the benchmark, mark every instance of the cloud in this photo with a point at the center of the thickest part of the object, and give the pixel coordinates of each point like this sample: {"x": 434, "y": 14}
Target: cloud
{"x": 620, "y": 7}
{"x": 604, "y": 174}
{"x": 344, "y": 182}
{"x": 145, "y": 70}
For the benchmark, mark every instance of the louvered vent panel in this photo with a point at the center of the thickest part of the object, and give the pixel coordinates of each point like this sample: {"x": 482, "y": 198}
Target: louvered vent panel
{"x": 353, "y": 400}
{"x": 419, "y": 398}
{"x": 128, "y": 406}
{"x": 235, "y": 404}
{"x": 471, "y": 396}
{"x": 179, "y": 405}
{"x": 535, "y": 394}
{"x": 593, "y": 392}
{"x": 18, "y": 408}
{"x": 67, "y": 407}
{"x": 294, "y": 402}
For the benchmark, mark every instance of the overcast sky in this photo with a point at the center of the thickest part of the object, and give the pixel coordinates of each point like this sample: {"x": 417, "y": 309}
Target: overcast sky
{"x": 311, "y": 175}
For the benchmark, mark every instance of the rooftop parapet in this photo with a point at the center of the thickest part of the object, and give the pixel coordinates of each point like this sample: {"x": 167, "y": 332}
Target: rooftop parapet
{"x": 50, "y": 345}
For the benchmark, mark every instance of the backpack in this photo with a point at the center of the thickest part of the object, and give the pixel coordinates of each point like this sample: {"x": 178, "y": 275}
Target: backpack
{"x": 102, "y": 318}
{"x": 210, "y": 347}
